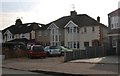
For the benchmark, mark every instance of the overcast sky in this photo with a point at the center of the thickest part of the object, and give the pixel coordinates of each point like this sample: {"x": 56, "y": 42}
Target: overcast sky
{"x": 46, "y": 11}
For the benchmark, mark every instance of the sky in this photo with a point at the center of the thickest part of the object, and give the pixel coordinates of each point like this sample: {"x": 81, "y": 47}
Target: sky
{"x": 46, "y": 11}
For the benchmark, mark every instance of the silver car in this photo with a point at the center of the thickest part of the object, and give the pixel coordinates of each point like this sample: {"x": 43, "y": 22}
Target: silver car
{"x": 53, "y": 50}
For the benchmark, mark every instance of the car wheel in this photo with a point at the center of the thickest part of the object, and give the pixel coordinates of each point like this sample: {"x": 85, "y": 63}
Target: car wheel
{"x": 29, "y": 57}
{"x": 62, "y": 53}
{"x": 48, "y": 54}
{"x": 59, "y": 55}
{"x": 44, "y": 57}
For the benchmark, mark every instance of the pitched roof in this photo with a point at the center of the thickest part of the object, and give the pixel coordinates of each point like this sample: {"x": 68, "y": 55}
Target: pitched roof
{"x": 115, "y": 13}
{"x": 80, "y": 20}
{"x": 44, "y": 27}
{"x": 23, "y": 28}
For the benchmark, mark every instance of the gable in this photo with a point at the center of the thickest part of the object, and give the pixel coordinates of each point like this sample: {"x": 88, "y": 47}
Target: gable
{"x": 7, "y": 32}
{"x": 71, "y": 24}
{"x": 53, "y": 25}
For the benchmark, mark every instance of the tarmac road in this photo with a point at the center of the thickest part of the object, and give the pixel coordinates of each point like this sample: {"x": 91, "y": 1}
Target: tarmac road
{"x": 11, "y": 72}
{"x": 56, "y": 64}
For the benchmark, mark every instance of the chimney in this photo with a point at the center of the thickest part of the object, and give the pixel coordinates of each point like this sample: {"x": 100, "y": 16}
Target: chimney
{"x": 73, "y": 13}
{"x": 18, "y": 22}
{"x": 98, "y": 19}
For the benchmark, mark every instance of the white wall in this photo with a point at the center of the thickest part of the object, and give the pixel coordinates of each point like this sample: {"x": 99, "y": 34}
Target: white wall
{"x": 33, "y": 34}
{"x": 71, "y": 37}
{"x": 88, "y": 36}
{"x": 54, "y": 31}
{"x": 8, "y": 37}
{"x": 17, "y": 36}
{"x": 82, "y": 36}
{"x": 26, "y": 35}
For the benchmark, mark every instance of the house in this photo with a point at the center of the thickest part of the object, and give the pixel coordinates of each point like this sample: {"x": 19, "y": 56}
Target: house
{"x": 20, "y": 32}
{"x": 114, "y": 28}
{"x": 42, "y": 35}
{"x": 56, "y": 34}
{"x": 76, "y": 31}
{"x": 82, "y": 31}
{"x": 50, "y": 34}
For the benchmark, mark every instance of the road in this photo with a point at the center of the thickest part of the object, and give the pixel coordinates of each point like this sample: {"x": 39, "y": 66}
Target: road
{"x": 18, "y": 72}
{"x": 56, "y": 64}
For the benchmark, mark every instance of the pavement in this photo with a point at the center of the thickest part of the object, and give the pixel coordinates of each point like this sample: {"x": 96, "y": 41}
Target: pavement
{"x": 100, "y": 60}
{"x": 107, "y": 65}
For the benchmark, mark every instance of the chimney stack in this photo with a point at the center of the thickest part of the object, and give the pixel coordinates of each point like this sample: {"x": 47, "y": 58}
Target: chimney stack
{"x": 98, "y": 19}
{"x": 18, "y": 22}
{"x": 73, "y": 13}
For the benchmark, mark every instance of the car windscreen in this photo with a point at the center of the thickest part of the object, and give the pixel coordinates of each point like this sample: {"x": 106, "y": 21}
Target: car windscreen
{"x": 54, "y": 47}
{"x": 38, "y": 48}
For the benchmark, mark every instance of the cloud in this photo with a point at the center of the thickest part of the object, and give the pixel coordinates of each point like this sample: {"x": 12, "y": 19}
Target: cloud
{"x": 16, "y": 6}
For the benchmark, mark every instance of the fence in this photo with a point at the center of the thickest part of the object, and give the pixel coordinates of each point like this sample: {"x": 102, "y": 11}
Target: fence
{"x": 90, "y": 52}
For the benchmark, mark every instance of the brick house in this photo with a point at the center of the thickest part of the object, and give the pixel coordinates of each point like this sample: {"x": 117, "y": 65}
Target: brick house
{"x": 42, "y": 35}
{"x": 114, "y": 28}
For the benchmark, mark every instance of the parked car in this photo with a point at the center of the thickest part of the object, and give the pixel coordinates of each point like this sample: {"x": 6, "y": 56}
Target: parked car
{"x": 64, "y": 49}
{"x": 36, "y": 51}
{"x": 53, "y": 50}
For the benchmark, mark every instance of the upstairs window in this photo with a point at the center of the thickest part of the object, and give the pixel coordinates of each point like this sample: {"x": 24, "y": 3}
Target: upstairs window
{"x": 52, "y": 31}
{"x": 93, "y": 29}
{"x": 85, "y": 29}
{"x": 72, "y": 29}
{"x": 76, "y": 30}
{"x": 111, "y": 25}
{"x": 69, "y": 29}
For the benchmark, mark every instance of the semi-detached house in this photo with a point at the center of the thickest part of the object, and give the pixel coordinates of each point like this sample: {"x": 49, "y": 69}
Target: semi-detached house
{"x": 21, "y": 32}
{"x": 74, "y": 31}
